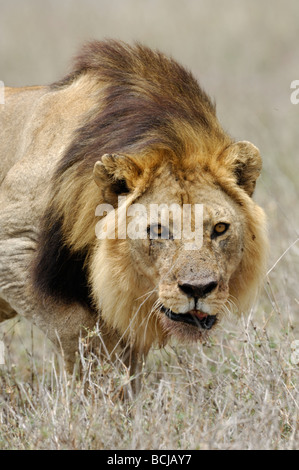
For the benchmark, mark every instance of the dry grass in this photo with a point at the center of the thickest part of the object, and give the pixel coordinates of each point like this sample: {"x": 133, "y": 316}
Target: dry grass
{"x": 241, "y": 389}
{"x": 239, "y": 392}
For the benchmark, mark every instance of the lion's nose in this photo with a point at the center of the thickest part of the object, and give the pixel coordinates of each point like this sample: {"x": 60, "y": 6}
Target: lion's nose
{"x": 198, "y": 289}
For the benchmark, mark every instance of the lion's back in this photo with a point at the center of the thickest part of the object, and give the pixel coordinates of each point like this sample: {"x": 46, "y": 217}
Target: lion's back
{"x": 15, "y": 113}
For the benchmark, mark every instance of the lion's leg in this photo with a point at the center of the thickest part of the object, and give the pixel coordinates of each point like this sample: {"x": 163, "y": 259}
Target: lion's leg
{"x": 108, "y": 345}
{"x": 134, "y": 363}
{"x": 6, "y": 312}
{"x": 62, "y": 324}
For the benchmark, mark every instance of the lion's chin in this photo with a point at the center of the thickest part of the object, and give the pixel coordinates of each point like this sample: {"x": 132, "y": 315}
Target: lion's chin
{"x": 190, "y": 326}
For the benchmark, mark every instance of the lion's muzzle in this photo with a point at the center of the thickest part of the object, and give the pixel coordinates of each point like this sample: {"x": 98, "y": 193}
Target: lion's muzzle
{"x": 194, "y": 318}
{"x": 198, "y": 289}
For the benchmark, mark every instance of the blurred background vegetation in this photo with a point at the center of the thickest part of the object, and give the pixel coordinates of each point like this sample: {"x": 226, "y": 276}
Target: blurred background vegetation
{"x": 245, "y": 55}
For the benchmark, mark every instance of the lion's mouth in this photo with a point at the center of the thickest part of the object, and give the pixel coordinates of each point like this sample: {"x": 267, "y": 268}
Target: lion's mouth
{"x": 194, "y": 317}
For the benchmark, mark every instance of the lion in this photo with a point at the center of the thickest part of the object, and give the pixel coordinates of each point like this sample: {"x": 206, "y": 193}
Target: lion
{"x": 128, "y": 127}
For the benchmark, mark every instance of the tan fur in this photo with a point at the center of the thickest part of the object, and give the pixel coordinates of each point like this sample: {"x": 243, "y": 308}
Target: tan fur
{"x": 54, "y": 173}
{"x": 35, "y": 128}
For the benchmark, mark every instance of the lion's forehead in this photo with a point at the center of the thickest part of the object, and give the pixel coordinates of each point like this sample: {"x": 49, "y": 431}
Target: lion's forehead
{"x": 217, "y": 211}
{"x": 214, "y": 203}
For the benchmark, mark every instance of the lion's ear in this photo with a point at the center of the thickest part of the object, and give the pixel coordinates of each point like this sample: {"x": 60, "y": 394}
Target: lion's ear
{"x": 115, "y": 175}
{"x": 247, "y": 164}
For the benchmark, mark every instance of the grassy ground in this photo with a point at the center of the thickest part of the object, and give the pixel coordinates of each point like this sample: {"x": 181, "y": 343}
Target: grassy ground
{"x": 241, "y": 389}
{"x": 238, "y": 391}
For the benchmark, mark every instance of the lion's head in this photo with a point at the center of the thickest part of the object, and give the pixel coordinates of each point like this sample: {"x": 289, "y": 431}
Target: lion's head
{"x": 151, "y": 138}
{"x": 154, "y": 279}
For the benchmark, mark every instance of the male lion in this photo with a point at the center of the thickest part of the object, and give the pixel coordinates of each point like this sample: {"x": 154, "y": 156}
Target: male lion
{"x": 130, "y": 122}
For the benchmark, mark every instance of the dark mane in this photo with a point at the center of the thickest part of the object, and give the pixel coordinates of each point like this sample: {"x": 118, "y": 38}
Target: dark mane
{"x": 146, "y": 101}
{"x": 147, "y": 96}
{"x": 58, "y": 271}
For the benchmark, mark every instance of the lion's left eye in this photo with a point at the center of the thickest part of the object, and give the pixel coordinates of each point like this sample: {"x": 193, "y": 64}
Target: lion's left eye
{"x": 158, "y": 231}
{"x": 219, "y": 229}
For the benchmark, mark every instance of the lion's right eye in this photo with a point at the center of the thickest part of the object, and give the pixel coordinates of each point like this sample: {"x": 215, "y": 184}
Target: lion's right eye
{"x": 158, "y": 231}
{"x": 219, "y": 229}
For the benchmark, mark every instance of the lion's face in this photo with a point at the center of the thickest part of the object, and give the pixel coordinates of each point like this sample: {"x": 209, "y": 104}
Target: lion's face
{"x": 158, "y": 281}
{"x": 190, "y": 282}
